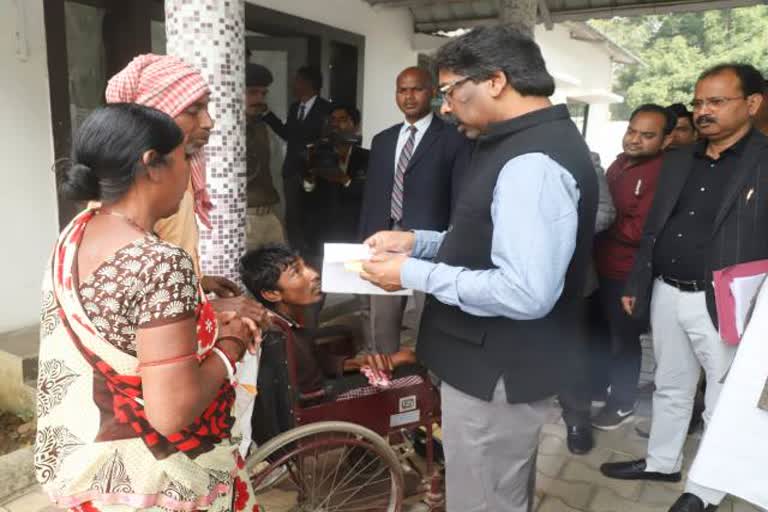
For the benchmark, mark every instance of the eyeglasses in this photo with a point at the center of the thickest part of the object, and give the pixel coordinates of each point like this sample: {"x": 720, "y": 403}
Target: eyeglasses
{"x": 714, "y": 102}
{"x": 446, "y": 91}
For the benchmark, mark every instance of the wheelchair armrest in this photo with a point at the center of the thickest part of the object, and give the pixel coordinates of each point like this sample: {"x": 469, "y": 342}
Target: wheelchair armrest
{"x": 313, "y": 395}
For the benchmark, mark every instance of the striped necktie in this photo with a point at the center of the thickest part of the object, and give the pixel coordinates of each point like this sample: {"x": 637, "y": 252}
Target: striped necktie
{"x": 396, "y": 210}
{"x": 302, "y": 108}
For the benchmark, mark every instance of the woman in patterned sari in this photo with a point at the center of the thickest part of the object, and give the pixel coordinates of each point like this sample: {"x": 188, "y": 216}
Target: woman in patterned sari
{"x": 136, "y": 369}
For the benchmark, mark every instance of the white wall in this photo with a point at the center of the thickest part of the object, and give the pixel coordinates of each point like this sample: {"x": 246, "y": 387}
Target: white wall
{"x": 388, "y": 34}
{"x": 586, "y": 61}
{"x": 590, "y": 64}
{"x": 28, "y": 201}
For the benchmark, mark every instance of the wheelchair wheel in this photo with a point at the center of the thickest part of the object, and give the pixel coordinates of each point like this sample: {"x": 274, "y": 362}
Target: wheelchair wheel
{"x": 329, "y": 466}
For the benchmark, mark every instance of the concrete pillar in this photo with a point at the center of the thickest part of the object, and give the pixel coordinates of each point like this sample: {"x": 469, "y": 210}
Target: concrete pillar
{"x": 210, "y": 34}
{"x": 521, "y": 13}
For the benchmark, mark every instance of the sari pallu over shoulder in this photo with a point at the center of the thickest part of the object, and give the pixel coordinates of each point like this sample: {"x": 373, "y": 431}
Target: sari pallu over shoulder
{"x": 94, "y": 441}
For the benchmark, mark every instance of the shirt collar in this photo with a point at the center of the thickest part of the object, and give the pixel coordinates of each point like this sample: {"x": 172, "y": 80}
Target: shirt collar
{"x": 737, "y": 149}
{"x": 623, "y": 160}
{"x": 308, "y": 104}
{"x": 421, "y": 125}
{"x": 293, "y": 324}
{"x": 526, "y": 121}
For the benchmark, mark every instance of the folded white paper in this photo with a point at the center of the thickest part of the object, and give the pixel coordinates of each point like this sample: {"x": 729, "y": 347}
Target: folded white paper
{"x": 341, "y": 271}
{"x": 744, "y": 291}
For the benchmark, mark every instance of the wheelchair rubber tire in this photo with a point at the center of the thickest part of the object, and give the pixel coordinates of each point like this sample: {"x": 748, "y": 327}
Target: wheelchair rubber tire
{"x": 269, "y": 452}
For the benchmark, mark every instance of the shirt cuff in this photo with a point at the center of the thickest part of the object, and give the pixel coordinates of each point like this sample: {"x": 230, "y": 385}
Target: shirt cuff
{"x": 414, "y": 274}
{"x": 426, "y": 243}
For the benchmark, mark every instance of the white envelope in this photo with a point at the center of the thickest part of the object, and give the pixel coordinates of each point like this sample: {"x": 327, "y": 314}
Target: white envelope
{"x": 337, "y": 278}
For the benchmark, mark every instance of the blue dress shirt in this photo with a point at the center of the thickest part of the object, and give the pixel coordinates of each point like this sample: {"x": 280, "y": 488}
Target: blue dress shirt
{"x": 535, "y": 220}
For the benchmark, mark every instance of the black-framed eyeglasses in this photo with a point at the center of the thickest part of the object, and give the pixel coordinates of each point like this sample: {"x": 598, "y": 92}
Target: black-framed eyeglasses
{"x": 714, "y": 102}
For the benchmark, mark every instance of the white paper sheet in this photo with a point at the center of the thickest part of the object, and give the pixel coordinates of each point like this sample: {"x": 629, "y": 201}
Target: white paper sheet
{"x": 337, "y": 278}
{"x": 245, "y": 395}
{"x": 744, "y": 290}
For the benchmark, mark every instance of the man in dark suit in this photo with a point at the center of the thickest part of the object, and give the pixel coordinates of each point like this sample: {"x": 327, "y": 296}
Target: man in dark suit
{"x": 306, "y": 119}
{"x": 337, "y": 174}
{"x": 710, "y": 212}
{"x": 413, "y": 177}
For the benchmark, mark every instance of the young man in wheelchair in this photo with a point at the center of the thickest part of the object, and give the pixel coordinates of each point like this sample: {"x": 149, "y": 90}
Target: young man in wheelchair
{"x": 327, "y": 363}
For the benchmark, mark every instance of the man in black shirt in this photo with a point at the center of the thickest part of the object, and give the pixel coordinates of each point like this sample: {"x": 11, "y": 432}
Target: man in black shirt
{"x": 710, "y": 212}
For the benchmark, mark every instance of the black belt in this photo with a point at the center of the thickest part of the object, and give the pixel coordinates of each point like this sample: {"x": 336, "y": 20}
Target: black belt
{"x": 686, "y": 286}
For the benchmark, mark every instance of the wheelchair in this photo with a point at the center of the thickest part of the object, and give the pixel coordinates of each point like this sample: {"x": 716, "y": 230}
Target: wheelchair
{"x": 341, "y": 452}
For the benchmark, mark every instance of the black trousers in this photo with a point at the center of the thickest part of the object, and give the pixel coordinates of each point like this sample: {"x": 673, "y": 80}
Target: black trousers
{"x": 618, "y": 364}
{"x": 576, "y": 398}
{"x": 293, "y": 193}
{"x": 612, "y": 360}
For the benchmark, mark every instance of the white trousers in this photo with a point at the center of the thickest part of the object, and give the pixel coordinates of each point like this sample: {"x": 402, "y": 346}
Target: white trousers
{"x": 684, "y": 342}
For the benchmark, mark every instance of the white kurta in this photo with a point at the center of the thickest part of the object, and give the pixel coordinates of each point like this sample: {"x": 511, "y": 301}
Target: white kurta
{"x": 733, "y": 456}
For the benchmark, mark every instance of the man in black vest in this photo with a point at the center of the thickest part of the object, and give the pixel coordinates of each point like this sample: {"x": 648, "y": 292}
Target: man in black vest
{"x": 504, "y": 316}
{"x": 710, "y": 211}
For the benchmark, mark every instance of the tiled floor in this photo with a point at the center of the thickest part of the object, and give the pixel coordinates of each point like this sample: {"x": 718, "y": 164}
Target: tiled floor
{"x": 565, "y": 483}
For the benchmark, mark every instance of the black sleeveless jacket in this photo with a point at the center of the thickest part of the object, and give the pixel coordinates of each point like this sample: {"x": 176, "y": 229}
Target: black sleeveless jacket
{"x": 533, "y": 356}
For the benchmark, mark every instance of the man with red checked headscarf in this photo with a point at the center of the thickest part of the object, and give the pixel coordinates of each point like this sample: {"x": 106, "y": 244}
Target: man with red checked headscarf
{"x": 173, "y": 86}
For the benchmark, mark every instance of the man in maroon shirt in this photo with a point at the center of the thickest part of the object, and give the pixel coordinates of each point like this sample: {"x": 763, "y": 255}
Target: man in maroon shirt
{"x": 632, "y": 181}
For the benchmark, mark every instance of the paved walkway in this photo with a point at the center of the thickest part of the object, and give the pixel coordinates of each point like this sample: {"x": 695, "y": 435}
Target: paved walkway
{"x": 566, "y": 483}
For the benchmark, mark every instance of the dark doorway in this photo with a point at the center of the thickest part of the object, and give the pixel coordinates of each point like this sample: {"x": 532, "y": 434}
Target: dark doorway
{"x": 87, "y": 42}
{"x": 343, "y": 71}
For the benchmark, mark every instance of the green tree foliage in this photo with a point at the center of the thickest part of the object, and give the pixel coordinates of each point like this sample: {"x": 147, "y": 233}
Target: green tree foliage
{"x": 676, "y": 48}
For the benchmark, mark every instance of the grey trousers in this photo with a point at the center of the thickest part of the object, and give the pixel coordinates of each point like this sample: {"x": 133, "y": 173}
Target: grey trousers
{"x": 382, "y": 317}
{"x": 684, "y": 342}
{"x": 490, "y": 450}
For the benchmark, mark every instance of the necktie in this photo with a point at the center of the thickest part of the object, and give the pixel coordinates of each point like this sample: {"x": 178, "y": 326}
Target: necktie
{"x": 396, "y": 210}
{"x": 301, "y": 112}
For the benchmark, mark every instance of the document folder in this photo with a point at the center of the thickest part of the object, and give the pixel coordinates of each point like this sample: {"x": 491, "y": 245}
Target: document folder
{"x": 736, "y": 288}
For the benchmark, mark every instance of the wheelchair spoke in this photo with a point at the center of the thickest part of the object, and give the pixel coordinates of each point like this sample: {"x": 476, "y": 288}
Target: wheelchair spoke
{"x": 355, "y": 490}
{"x": 351, "y": 476}
{"x": 364, "y": 501}
{"x": 329, "y": 471}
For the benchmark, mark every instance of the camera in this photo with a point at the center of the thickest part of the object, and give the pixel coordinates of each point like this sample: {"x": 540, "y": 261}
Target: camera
{"x": 321, "y": 156}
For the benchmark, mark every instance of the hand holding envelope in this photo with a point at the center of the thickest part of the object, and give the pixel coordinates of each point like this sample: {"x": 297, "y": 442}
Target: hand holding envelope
{"x": 391, "y": 242}
{"x": 383, "y": 270}
{"x": 389, "y": 250}
{"x": 356, "y": 268}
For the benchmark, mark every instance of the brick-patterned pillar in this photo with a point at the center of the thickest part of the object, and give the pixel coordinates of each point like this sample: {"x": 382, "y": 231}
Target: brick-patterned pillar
{"x": 210, "y": 34}
{"x": 520, "y": 13}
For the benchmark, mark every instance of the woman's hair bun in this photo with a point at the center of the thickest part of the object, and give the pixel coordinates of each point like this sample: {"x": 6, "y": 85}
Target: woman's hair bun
{"x": 80, "y": 183}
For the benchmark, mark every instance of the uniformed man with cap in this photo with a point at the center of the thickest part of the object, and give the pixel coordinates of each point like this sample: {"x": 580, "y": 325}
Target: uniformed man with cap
{"x": 262, "y": 224}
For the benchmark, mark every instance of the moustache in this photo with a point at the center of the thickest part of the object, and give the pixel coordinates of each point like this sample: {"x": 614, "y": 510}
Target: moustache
{"x": 705, "y": 119}
{"x": 450, "y": 119}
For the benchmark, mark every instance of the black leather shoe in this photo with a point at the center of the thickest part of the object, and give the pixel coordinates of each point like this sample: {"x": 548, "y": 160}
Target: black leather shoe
{"x": 635, "y": 470}
{"x": 691, "y": 503}
{"x": 579, "y": 439}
